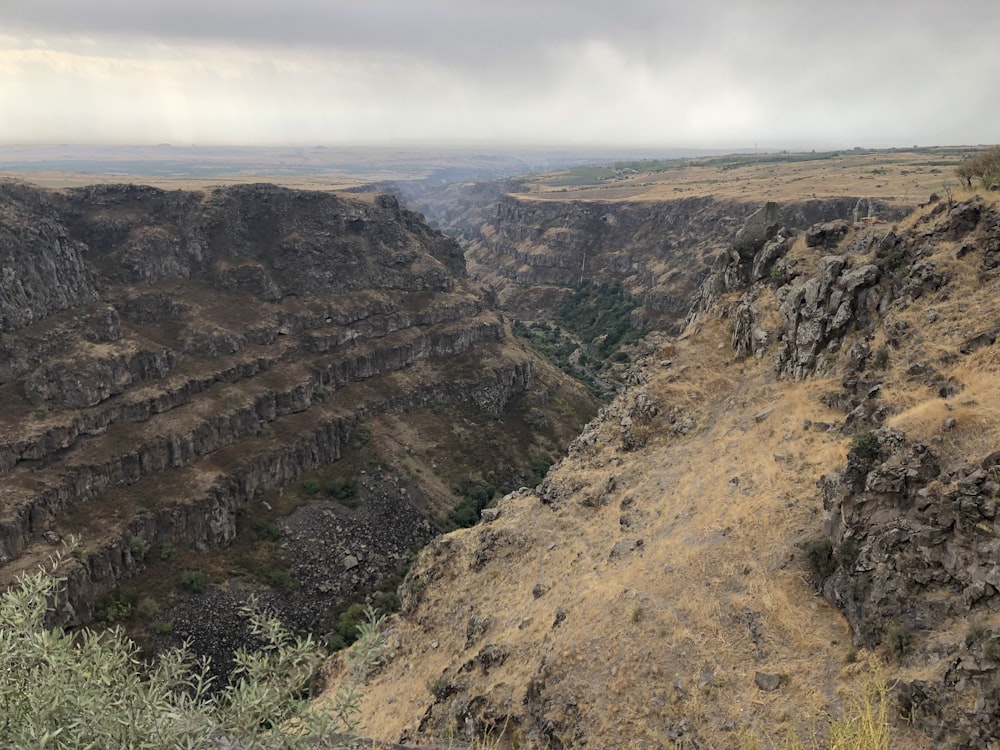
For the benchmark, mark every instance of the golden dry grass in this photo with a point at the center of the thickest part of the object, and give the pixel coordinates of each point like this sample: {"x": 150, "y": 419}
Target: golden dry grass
{"x": 662, "y": 633}
{"x": 895, "y": 177}
{"x": 719, "y": 511}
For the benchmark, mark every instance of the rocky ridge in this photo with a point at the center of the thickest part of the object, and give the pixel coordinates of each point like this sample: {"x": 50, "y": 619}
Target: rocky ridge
{"x": 824, "y": 423}
{"x": 532, "y": 249}
{"x": 167, "y": 359}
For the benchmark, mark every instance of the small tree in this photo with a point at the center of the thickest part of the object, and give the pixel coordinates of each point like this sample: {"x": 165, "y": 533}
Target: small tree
{"x": 985, "y": 166}
{"x": 93, "y": 689}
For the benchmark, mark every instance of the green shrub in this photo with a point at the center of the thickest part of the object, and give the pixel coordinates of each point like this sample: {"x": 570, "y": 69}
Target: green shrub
{"x": 881, "y": 358}
{"x": 138, "y": 547}
{"x": 147, "y": 608}
{"x": 168, "y": 552}
{"x": 360, "y": 436}
{"x": 310, "y": 486}
{"x": 281, "y": 579}
{"x": 847, "y": 553}
{"x": 898, "y": 638}
{"x": 343, "y": 490}
{"x": 866, "y": 447}
{"x": 440, "y": 687}
{"x": 193, "y": 581}
{"x": 84, "y": 689}
{"x": 163, "y": 627}
{"x": 266, "y": 531}
{"x": 118, "y": 605}
{"x": 819, "y": 553}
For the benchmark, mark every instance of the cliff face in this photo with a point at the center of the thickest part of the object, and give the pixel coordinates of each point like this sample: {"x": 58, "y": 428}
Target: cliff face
{"x": 169, "y": 358}
{"x": 531, "y": 250}
{"x": 826, "y": 423}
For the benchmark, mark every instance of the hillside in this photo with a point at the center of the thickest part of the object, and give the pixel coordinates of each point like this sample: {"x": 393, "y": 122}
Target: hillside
{"x": 800, "y": 485}
{"x": 656, "y": 226}
{"x": 210, "y": 390}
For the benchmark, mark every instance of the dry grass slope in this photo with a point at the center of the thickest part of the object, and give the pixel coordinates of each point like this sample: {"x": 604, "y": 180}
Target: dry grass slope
{"x": 639, "y": 604}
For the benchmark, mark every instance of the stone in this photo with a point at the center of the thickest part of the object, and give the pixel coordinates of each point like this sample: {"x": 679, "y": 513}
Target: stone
{"x": 767, "y": 682}
{"x": 350, "y": 562}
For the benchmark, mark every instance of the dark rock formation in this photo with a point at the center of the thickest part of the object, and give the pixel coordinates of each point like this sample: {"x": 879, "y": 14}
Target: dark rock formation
{"x": 915, "y": 547}
{"x": 166, "y": 357}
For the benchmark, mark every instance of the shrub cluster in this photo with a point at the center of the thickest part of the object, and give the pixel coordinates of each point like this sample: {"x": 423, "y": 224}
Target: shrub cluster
{"x": 984, "y": 166}
{"x": 88, "y": 689}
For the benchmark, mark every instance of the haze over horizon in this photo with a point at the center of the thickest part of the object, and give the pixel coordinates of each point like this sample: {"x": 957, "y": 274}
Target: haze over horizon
{"x": 636, "y": 73}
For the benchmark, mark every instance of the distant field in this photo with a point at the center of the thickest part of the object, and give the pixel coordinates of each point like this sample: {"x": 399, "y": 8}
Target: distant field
{"x": 893, "y": 176}
{"x": 309, "y": 167}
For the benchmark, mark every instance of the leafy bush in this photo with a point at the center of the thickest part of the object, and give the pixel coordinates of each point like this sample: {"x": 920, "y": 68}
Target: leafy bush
{"x": 343, "y": 490}
{"x": 310, "y": 486}
{"x": 847, "y": 553}
{"x": 266, "y": 531}
{"x": 898, "y": 638}
{"x": 147, "y": 608}
{"x": 866, "y": 447}
{"x": 440, "y": 687}
{"x": 361, "y": 435}
{"x": 819, "y": 553}
{"x": 193, "y": 581}
{"x": 168, "y": 552}
{"x": 118, "y": 605}
{"x": 985, "y": 166}
{"x": 881, "y": 359}
{"x": 138, "y": 547}
{"x": 163, "y": 627}
{"x": 84, "y": 689}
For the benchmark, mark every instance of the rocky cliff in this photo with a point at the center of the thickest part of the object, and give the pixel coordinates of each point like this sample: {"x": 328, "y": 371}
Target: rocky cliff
{"x": 532, "y": 249}
{"x": 825, "y": 424}
{"x": 171, "y": 361}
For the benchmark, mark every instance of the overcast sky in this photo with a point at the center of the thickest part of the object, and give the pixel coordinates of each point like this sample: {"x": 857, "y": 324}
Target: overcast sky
{"x": 700, "y": 73}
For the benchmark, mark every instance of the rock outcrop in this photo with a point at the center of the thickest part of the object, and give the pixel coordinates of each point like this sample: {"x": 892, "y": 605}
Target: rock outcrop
{"x": 534, "y": 249}
{"x": 168, "y": 357}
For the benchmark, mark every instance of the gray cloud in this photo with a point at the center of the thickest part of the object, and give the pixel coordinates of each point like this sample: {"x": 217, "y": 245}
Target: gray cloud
{"x": 715, "y": 72}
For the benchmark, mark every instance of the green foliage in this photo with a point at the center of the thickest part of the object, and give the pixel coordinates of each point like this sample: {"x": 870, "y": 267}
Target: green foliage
{"x": 819, "y": 553}
{"x": 591, "y": 325}
{"x": 266, "y": 531}
{"x": 600, "y": 315}
{"x": 360, "y": 436}
{"x": 193, "y": 581}
{"x": 168, "y": 552}
{"x": 345, "y": 491}
{"x": 348, "y": 620}
{"x": 440, "y": 687}
{"x": 847, "y": 553}
{"x": 66, "y": 691}
{"x": 310, "y": 486}
{"x": 265, "y": 563}
{"x": 866, "y": 447}
{"x": 138, "y": 547}
{"x": 984, "y": 166}
{"x": 475, "y": 497}
{"x": 147, "y": 608}
{"x": 42, "y": 412}
{"x": 881, "y": 359}
{"x": 899, "y": 639}
{"x": 638, "y": 615}
{"x": 118, "y": 605}
{"x": 163, "y": 627}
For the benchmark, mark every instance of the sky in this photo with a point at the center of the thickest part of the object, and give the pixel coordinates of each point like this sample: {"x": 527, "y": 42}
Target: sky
{"x": 658, "y": 73}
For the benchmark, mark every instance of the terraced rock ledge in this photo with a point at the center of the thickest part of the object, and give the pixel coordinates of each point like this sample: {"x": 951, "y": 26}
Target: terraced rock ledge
{"x": 167, "y": 357}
